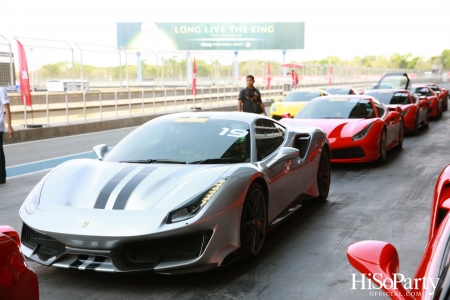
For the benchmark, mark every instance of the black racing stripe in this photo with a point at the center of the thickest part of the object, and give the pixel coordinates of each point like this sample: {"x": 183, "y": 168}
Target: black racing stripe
{"x": 81, "y": 259}
{"x": 110, "y": 186}
{"x": 125, "y": 193}
{"x": 97, "y": 262}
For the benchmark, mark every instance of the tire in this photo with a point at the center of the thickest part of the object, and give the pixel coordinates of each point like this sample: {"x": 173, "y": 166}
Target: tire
{"x": 323, "y": 175}
{"x": 383, "y": 145}
{"x": 416, "y": 125}
{"x": 253, "y": 222}
{"x": 400, "y": 136}
{"x": 428, "y": 118}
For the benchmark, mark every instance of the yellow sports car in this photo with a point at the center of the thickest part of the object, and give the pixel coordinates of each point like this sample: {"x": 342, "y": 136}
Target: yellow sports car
{"x": 294, "y": 102}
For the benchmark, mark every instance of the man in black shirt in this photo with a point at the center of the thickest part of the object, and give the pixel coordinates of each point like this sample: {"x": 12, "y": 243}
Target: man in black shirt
{"x": 250, "y": 98}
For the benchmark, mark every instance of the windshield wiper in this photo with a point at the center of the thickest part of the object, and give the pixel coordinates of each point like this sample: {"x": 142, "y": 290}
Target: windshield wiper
{"x": 150, "y": 161}
{"x": 217, "y": 161}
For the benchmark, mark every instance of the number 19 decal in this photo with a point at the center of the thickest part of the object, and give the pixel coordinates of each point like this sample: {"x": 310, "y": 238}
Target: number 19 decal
{"x": 234, "y": 132}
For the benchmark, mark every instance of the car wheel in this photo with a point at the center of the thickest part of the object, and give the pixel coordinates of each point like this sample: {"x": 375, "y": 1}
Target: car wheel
{"x": 400, "y": 136}
{"x": 416, "y": 125}
{"x": 253, "y": 222}
{"x": 324, "y": 175}
{"x": 382, "y": 150}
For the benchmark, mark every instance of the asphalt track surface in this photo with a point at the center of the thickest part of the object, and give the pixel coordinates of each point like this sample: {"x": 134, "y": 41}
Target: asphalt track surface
{"x": 304, "y": 257}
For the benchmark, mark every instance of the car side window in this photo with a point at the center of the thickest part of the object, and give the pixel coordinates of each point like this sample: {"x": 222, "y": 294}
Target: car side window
{"x": 379, "y": 107}
{"x": 269, "y": 137}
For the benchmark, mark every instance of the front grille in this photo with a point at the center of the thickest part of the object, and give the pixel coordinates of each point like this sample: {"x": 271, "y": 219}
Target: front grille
{"x": 353, "y": 152}
{"x": 45, "y": 246}
{"x": 168, "y": 249}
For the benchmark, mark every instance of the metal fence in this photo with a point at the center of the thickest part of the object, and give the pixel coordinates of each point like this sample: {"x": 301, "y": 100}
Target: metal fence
{"x": 107, "y": 66}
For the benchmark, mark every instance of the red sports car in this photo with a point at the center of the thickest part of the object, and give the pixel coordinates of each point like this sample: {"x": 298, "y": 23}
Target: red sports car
{"x": 359, "y": 127}
{"x": 434, "y": 102}
{"x": 414, "y": 110}
{"x": 17, "y": 279}
{"x": 443, "y": 94}
{"x": 379, "y": 260}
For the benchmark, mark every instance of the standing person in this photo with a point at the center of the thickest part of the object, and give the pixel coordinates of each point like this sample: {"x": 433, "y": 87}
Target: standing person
{"x": 4, "y": 111}
{"x": 250, "y": 98}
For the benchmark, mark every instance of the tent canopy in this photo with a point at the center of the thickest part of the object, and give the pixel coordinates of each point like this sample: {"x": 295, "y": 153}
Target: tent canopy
{"x": 293, "y": 65}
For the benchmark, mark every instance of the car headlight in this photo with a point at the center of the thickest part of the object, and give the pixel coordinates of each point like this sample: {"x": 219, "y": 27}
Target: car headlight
{"x": 274, "y": 108}
{"x": 362, "y": 134}
{"x": 33, "y": 198}
{"x": 192, "y": 207}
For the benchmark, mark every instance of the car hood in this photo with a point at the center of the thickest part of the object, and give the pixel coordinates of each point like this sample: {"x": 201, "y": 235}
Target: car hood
{"x": 96, "y": 185}
{"x": 334, "y": 128}
{"x": 289, "y": 107}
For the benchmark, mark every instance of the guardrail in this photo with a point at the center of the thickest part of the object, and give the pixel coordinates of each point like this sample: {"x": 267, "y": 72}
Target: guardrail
{"x": 59, "y": 108}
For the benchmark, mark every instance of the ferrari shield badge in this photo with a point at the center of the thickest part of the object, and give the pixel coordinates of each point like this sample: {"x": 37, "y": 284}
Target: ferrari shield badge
{"x": 85, "y": 224}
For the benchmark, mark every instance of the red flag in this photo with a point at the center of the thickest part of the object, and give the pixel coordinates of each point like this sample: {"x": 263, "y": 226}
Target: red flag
{"x": 24, "y": 78}
{"x": 194, "y": 80}
{"x": 268, "y": 76}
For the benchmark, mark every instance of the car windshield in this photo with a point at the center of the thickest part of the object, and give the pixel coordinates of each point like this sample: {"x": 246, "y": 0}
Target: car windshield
{"x": 394, "y": 81}
{"x": 339, "y": 91}
{"x": 337, "y": 108}
{"x": 301, "y": 96}
{"x": 189, "y": 140}
{"x": 390, "y": 97}
{"x": 423, "y": 91}
{"x": 434, "y": 88}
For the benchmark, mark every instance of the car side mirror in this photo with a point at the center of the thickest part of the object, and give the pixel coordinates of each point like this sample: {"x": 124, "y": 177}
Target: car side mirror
{"x": 446, "y": 204}
{"x": 100, "y": 151}
{"x": 286, "y": 115}
{"x": 379, "y": 262}
{"x": 283, "y": 155}
{"x": 398, "y": 109}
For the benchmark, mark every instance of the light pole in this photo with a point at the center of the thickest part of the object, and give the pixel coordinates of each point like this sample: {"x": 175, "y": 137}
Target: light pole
{"x": 32, "y": 66}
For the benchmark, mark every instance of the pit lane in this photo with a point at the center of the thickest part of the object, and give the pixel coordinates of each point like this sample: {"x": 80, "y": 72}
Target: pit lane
{"x": 304, "y": 257}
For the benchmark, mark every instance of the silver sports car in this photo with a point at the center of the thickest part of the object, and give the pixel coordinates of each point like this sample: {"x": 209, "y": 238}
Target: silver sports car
{"x": 182, "y": 193}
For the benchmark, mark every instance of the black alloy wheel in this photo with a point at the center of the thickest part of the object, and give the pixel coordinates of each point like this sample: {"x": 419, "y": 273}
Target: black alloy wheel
{"x": 382, "y": 150}
{"x": 416, "y": 125}
{"x": 324, "y": 175}
{"x": 253, "y": 222}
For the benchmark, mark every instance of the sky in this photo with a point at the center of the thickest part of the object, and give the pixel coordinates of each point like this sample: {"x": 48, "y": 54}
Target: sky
{"x": 332, "y": 28}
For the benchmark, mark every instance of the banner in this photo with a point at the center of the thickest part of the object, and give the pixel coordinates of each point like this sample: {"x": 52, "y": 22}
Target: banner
{"x": 24, "y": 78}
{"x": 268, "y": 76}
{"x": 211, "y": 36}
{"x": 194, "y": 80}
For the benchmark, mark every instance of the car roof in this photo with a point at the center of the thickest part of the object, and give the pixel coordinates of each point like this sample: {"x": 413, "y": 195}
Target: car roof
{"x": 363, "y": 96}
{"x": 230, "y": 115}
{"x": 388, "y": 90}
